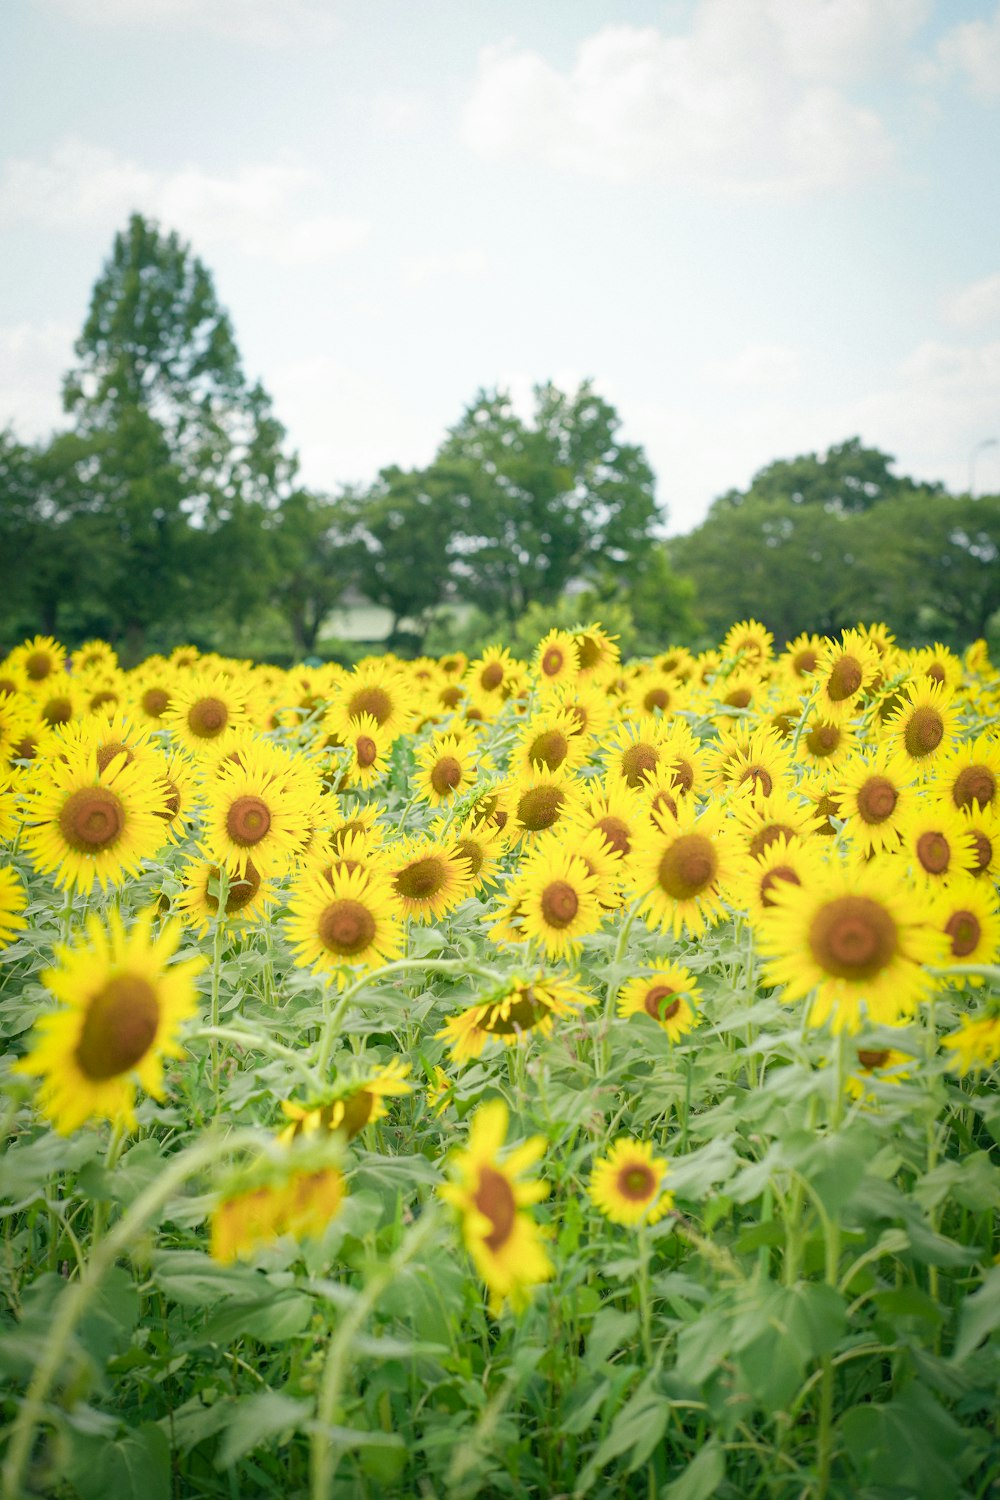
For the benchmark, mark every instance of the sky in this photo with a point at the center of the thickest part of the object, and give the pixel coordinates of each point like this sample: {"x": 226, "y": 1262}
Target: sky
{"x": 759, "y": 226}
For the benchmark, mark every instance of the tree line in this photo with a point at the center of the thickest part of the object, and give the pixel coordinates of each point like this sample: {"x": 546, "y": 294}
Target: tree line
{"x": 171, "y": 508}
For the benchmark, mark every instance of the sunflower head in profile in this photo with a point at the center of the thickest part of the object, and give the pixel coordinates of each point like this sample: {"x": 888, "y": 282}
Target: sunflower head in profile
{"x": 85, "y": 824}
{"x": 298, "y": 1195}
{"x": 669, "y": 996}
{"x": 352, "y": 1105}
{"x": 121, "y": 1007}
{"x": 245, "y": 902}
{"x": 518, "y": 1008}
{"x": 12, "y": 904}
{"x": 857, "y": 940}
{"x": 343, "y": 921}
{"x": 427, "y": 878}
{"x": 626, "y": 1185}
{"x": 493, "y": 1200}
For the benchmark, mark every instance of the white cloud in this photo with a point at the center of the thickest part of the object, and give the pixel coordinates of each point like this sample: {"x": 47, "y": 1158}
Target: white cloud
{"x": 33, "y": 360}
{"x": 757, "y": 365}
{"x": 750, "y": 97}
{"x": 973, "y": 50}
{"x": 264, "y": 23}
{"x": 976, "y": 305}
{"x": 396, "y": 111}
{"x": 451, "y": 264}
{"x": 259, "y": 208}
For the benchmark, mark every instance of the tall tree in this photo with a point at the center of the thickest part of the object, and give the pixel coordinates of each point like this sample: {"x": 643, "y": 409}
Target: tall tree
{"x": 848, "y": 477}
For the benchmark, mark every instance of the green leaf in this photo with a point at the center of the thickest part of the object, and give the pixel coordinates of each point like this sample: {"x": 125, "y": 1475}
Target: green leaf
{"x": 702, "y": 1477}
{"x": 254, "y": 1419}
{"x": 980, "y": 1316}
{"x": 135, "y": 1467}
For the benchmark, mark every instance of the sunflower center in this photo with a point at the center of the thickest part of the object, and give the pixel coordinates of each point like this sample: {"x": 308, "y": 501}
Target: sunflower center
{"x": 549, "y": 749}
{"x": 974, "y": 784}
{"x": 761, "y": 779}
{"x": 450, "y": 697}
{"x": 100, "y": 699}
{"x": 491, "y": 676}
{"x": 616, "y": 833}
{"x": 422, "y": 879}
{"x": 106, "y": 754}
{"x": 57, "y": 711}
{"x": 155, "y": 700}
{"x": 654, "y": 1002}
{"x": 853, "y": 937}
{"x": 552, "y": 661}
{"x": 779, "y": 872}
{"x": 924, "y": 732}
{"x": 357, "y": 1112}
{"x": 637, "y": 760}
{"x": 119, "y": 1027}
{"x": 657, "y": 697}
{"x": 172, "y": 804}
{"x": 346, "y": 927}
{"x": 804, "y": 662}
{"x": 91, "y": 818}
{"x": 446, "y": 775}
{"x": 683, "y": 775}
{"x": 522, "y": 1015}
{"x": 560, "y": 904}
{"x": 370, "y": 700}
{"x": 877, "y": 799}
{"x": 248, "y": 821}
{"x": 473, "y": 852}
{"x": 539, "y": 807}
{"x": 39, "y": 665}
{"x": 207, "y": 718}
{"x": 688, "y": 866}
{"x": 241, "y": 890}
{"x": 823, "y": 739}
{"x": 637, "y": 1182}
{"x": 870, "y": 1060}
{"x": 589, "y": 652}
{"x": 846, "y": 676}
{"x": 933, "y": 852}
{"x": 984, "y": 851}
{"x": 366, "y": 751}
{"x": 964, "y": 930}
{"x": 494, "y": 1198}
{"x": 769, "y": 835}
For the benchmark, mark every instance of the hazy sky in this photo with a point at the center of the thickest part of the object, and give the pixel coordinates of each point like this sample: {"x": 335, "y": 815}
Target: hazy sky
{"x": 761, "y": 226}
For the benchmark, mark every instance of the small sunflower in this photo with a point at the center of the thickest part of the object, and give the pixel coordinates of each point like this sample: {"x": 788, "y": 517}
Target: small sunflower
{"x": 122, "y": 1004}
{"x": 615, "y": 811}
{"x": 757, "y": 763}
{"x": 427, "y": 878}
{"x": 550, "y": 741}
{"x": 967, "y": 911}
{"x": 876, "y": 792}
{"x": 586, "y": 701}
{"x": 348, "y": 921}
{"x": 152, "y": 691}
{"x": 490, "y": 675}
{"x": 12, "y": 903}
{"x": 556, "y": 658}
{"x": 540, "y": 800}
{"x": 519, "y": 1008}
{"x": 654, "y": 692}
{"x": 183, "y": 794}
{"x": 481, "y": 844}
{"x": 558, "y": 901}
{"x": 762, "y": 821}
{"x": 858, "y": 939}
{"x": 669, "y": 996}
{"x": 984, "y": 825}
{"x": 205, "y": 711}
{"x": 493, "y": 1199}
{"x": 627, "y": 1184}
{"x": 792, "y": 860}
{"x": 292, "y": 1199}
{"x": 970, "y": 774}
{"x": 800, "y": 658}
{"x": 876, "y": 1065}
{"x": 597, "y": 650}
{"x": 38, "y": 659}
{"x": 450, "y": 765}
{"x": 680, "y": 869}
{"x": 844, "y": 672}
{"x": 634, "y": 750}
{"x": 825, "y": 742}
{"x": 255, "y": 814}
{"x": 748, "y": 641}
{"x": 937, "y": 843}
{"x": 247, "y": 895}
{"x": 976, "y": 1043}
{"x": 924, "y": 726}
{"x": 95, "y": 656}
{"x": 366, "y": 748}
{"x": 60, "y": 700}
{"x": 380, "y": 690}
{"x": 353, "y": 1104}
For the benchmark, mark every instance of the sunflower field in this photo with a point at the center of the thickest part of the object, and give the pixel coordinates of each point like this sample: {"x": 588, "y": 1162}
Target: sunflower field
{"x": 450, "y": 1078}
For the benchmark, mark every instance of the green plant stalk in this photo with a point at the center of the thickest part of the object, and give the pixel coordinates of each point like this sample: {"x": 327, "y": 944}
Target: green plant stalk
{"x": 602, "y": 1043}
{"x": 75, "y": 1299}
{"x": 831, "y": 1236}
{"x": 115, "y": 1144}
{"x": 220, "y": 917}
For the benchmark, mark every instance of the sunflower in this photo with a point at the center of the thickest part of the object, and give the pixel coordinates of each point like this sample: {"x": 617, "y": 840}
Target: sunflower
{"x": 844, "y": 672}
{"x": 967, "y": 911}
{"x": 380, "y": 690}
{"x": 12, "y": 903}
{"x": 800, "y": 658}
{"x": 970, "y": 774}
{"x": 749, "y": 642}
{"x": 252, "y": 817}
{"x": 876, "y": 792}
{"x": 292, "y": 1199}
{"x": 450, "y": 764}
{"x": 597, "y": 651}
{"x": 94, "y": 656}
{"x": 355, "y": 819}
{"x": 109, "y": 738}
{"x": 858, "y": 938}
{"x": 627, "y": 1184}
{"x": 588, "y": 703}
{"x": 556, "y": 658}
{"x": 246, "y": 899}
{"x": 976, "y": 1043}
{"x": 440, "y": 1091}
{"x": 634, "y": 750}
{"x": 557, "y": 898}
{"x": 9, "y": 806}
{"x": 825, "y": 742}
{"x": 615, "y": 811}
{"x": 366, "y": 747}
{"x": 353, "y": 1105}
{"x": 794, "y": 861}
{"x": 940, "y": 665}
{"x": 60, "y": 700}
{"x": 924, "y": 726}
{"x": 344, "y": 922}
{"x": 482, "y": 844}
{"x": 122, "y": 1004}
{"x": 762, "y": 821}
{"x": 541, "y": 800}
{"x": 739, "y": 689}
{"x": 85, "y": 825}
{"x": 39, "y": 658}
{"x": 183, "y": 794}
{"x": 655, "y": 692}
{"x": 669, "y": 996}
{"x": 490, "y": 677}
{"x": 515, "y": 1010}
{"x": 937, "y": 842}
{"x": 152, "y": 690}
{"x": 205, "y": 711}
{"x": 680, "y": 868}
{"x": 427, "y": 878}
{"x": 757, "y": 763}
{"x": 550, "y": 741}
{"x": 984, "y": 825}
{"x": 498, "y": 1231}
{"x": 876, "y": 1065}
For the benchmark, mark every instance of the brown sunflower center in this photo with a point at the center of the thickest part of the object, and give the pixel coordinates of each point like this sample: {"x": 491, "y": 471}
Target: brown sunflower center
{"x": 155, "y": 701}
{"x": 637, "y": 1182}
{"x": 522, "y": 1014}
{"x": 924, "y": 732}
{"x": 119, "y": 1027}
{"x": 637, "y": 760}
{"x": 560, "y": 904}
{"x": 779, "y": 872}
{"x": 39, "y": 665}
{"x": 658, "y": 1003}
{"x": 240, "y": 892}
{"x": 760, "y": 777}
{"x": 473, "y": 852}
{"x": 207, "y": 718}
{"x": 549, "y": 748}
{"x": 357, "y": 1111}
{"x": 248, "y": 821}
{"x": 870, "y": 1060}
{"x": 768, "y": 835}
{"x": 877, "y": 799}
{"x": 683, "y": 775}
{"x": 552, "y": 661}
{"x": 616, "y": 832}
{"x": 965, "y": 931}
{"x": 91, "y": 818}
{"x": 589, "y": 651}
{"x": 491, "y": 676}
{"x": 853, "y": 937}
{"x": 804, "y": 662}
{"x": 663, "y": 802}
{"x": 974, "y": 784}
{"x": 933, "y": 852}
{"x": 823, "y": 739}
{"x": 372, "y": 700}
{"x": 346, "y": 927}
{"x": 446, "y": 775}
{"x": 688, "y": 867}
{"x": 422, "y": 879}
{"x": 58, "y": 710}
{"x": 450, "y": 697}
{"x": 538, "y": 808}
{"x": 172, "y": 804}
{"x": 494, "y": 1198}
{"x": 366, "y": 751}
{"x": 657, "y": 697}
{"x": 106, "y": 754}
{"x": 984, "y": 851}
{"x": 98, "y": 700}
{"x": 846, "y": 676}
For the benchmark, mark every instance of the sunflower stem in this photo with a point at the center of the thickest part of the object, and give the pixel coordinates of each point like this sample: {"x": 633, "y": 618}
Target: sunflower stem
{"x": 831, "y": 1235}
{"x": 118, "y": 1137}
{"x": 66, "y": 916}
{"x": 602, "y": 1043}
{"x": 220, "y": 917}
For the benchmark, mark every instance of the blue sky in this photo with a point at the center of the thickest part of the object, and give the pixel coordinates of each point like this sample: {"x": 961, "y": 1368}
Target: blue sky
{"x": 761, "y": 226}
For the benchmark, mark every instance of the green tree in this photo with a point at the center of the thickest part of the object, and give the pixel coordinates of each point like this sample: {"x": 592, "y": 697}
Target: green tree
{"x": 318, "y": 552}
{"x": 848, "y": 478}
{"x": 407, "y": 522}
